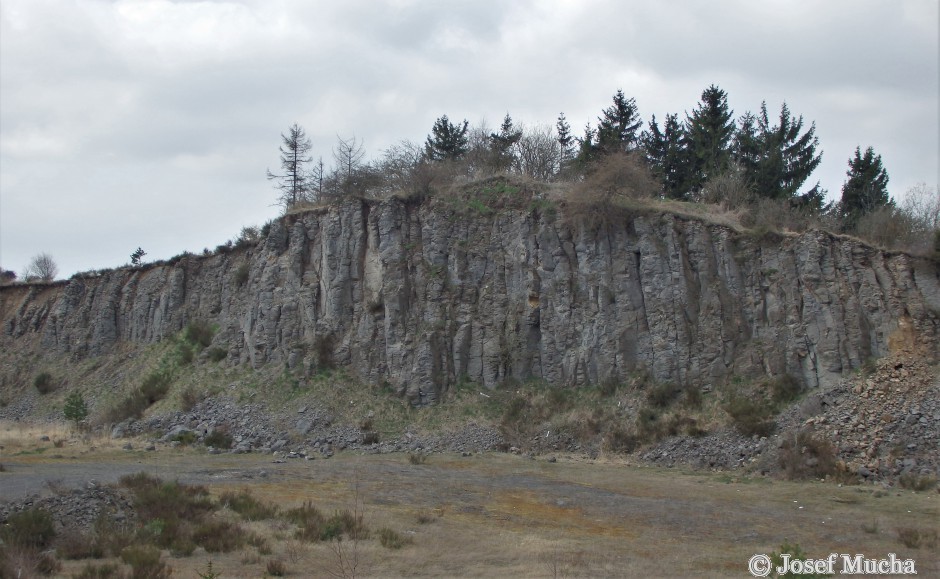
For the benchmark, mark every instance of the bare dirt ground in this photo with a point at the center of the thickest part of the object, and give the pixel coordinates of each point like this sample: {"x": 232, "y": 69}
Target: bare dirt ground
{"x": 499, "y": 515}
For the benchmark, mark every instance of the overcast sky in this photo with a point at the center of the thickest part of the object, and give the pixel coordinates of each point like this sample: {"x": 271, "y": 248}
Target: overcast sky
{"x": 152, "y": 123}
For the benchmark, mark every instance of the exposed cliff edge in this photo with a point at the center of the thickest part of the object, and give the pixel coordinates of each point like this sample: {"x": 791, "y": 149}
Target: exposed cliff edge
{"x": 421, "y": 295}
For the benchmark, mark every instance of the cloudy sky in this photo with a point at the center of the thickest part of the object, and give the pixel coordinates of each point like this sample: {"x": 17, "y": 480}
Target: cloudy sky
{"x": 152, "y": 123}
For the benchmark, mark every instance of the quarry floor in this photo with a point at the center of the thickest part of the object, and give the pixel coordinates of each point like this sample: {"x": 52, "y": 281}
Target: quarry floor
{"x": 495, "y": 514}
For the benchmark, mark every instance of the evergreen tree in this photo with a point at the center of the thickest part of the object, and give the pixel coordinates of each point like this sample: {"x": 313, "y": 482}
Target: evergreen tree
{"x": 293, "y": 182}
{"x": 138, "y": 254}
{"x": 588, "y": 149}
{"x": 746, "y": 148}
{"x": 709, "y": 131}
{"x": 777, "y": 159}
{"x": 617, "y": 127}
{"x": 565, "y": 140}
{"x": 867, "y": 186}
{"x": 502, "y": 143}
{"x": 75, "y": 408}
{"x": 668, "y": 156}
{"x": 446, "y": 141}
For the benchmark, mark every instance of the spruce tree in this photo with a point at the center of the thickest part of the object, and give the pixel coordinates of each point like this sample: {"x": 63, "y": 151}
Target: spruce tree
{"x": 502, "y": 144}
{"x": 776, "y": 158}
{"x": 587, "y": 148}
{"x": 867, "y": 186}
{"x": 617, "y": 126}
{"x": 565, "y": 140}
{"x": 668, "y": 156}
{"x": 447, "y": 141}
{"x": 709, "y": 130}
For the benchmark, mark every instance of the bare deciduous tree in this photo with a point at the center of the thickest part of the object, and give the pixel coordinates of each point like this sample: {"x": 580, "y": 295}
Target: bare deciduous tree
{"x": 400, "y": 166}
{"x": 316, "y": 181}
{"x": 538, "y": 153}
{"x": 348, "y": 155}
{"x": 348, "y": 172}
{"x": 922, "y": 205}
{"x": 41, "y": 267}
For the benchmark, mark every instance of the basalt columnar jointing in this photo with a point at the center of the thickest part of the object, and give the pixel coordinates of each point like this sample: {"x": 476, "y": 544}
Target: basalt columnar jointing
{"x": 422, "y": 295}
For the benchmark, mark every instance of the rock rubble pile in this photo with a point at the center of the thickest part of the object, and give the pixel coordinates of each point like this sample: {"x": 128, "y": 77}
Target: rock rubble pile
{"x": 310, "y": 434}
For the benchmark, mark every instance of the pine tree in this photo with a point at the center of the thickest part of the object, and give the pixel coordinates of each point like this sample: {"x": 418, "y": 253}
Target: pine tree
{"x": 293, "y": 183}
{"x": 138, "y": 254}
{"x": 709, "y": 131}
{"x": 777, "y": 159}
{"x": 618, "y": 125}
{"x": 502, "y": 144}
{"x": 867, "y": 186}
{"x": 446, "y": 141}
{"x": 668, "y": 156}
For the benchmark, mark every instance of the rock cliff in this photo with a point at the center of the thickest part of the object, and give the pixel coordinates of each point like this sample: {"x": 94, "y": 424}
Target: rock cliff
{"x": 421, "y": 295}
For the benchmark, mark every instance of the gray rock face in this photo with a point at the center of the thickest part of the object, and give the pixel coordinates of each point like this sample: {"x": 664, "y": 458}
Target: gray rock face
{"x": 420, "y": 297}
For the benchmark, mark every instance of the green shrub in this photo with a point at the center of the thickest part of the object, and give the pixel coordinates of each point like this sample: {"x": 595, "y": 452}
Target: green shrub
{"x": 249, "y": 507}
{"x": 662, "y": 395}
{"x": 914, "y": 482}
{"x": 18, "y": 561}
{"x": 199, "y": 333}
{"x": 914, "y": 538}
{"x": 692, "y": 398}
{"x": 219, "y": 536}
{"x": 76, "y": 545}
{"x": 785, "y": 389}
{"x": 189, "y": 398}
{"x": 131, "y": 406}
{"x": 260, "y": 543}
{"x": 186, "y": 438}
{"x": 392, "y": 540}
{"x": 29, "y": 528}
{"x": 184, "y": 353}
{"x": 241, "y": 274}
{"x": 44, "y": 383}
{"x": 323, "y": 351}
{"x": 217, "y": 354}
{"x": 348, "y": 523}
{"x": 309, "y": 520}
{"x": 751, "y": 417}
{"x": 155, "y": 386}
{"x": 796, "y": 554}
{"x": 145, "y": 562}
{"x": 620, "y": 439}
{"x": 155, "y": 499}
{"x": 110, "y": 537}
{"x": 804, "y": 455}
{"x": 652, "y": 424}
{"x": 276, "y": 568}
{"x": 218, "y": 438}
{"x": 153, "y": 389}
{"x": 515, "y": 411}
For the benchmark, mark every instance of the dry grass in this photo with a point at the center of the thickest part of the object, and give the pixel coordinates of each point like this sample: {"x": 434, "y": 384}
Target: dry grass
{"x": 501, "y": 515}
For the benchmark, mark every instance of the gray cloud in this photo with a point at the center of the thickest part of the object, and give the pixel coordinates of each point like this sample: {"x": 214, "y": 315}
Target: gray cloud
{"x": 152, "y": 123}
